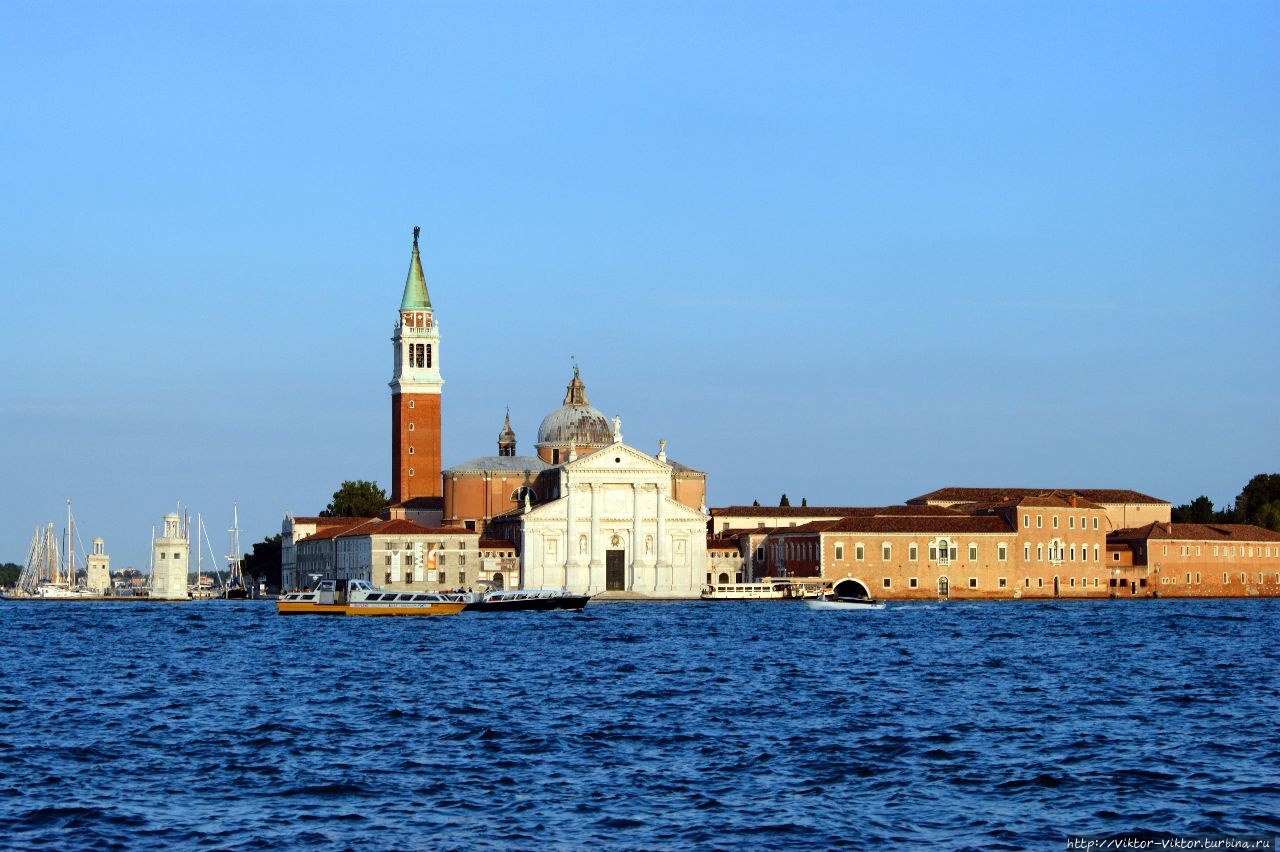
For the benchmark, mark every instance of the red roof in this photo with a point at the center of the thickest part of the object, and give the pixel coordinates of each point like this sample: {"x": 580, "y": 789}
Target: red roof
{"x": 952, "y": 525}
{"x": 328, "y": 521}
{"x": 832, "y": 511}
{"x": 1000, "y": 495}
{"x": 377, "y": 526}
{"x": 1196, "y": 532}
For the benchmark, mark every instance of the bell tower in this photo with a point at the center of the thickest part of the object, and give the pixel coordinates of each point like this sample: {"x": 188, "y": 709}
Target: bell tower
{"x": 415, "y": 392}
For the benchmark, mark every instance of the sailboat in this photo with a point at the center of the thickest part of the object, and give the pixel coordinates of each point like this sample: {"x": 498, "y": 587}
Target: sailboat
{"x": 235, "y": 588}
{"x": 47, "y": 574}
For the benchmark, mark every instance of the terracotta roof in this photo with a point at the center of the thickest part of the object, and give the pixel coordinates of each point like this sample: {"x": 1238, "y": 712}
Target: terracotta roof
{"x": 1196, "y": 532}
{"x": 337, "y": 529}
{"x": 974, "y": 495}
{"x": 833, "y": 511}
{"x": 495, "y": 544}
{"x": 1052, "y": 500}
{"x": 329, "y": 521}
{"x": 377, "y": 526}
{"x": 734, "y": 533}
{"x": 953, "y": 525}
{"x": 422, "y": 503}
{"x": 404, "y": 526}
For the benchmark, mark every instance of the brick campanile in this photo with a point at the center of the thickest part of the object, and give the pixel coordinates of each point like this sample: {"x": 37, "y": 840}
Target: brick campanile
{"x": 415, "y": 392}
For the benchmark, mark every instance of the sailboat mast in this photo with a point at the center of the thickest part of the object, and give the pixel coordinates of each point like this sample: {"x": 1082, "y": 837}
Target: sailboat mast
{"x": 199, "y": 554}
{"x": 233, "y": 558}
{"x": 71, "y": 550}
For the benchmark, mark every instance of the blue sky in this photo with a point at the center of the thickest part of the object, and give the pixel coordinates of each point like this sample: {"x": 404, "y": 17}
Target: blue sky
{"x": 847, "y": 251}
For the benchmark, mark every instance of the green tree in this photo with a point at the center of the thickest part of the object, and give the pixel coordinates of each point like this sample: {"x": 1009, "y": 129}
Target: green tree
{"x": 357, "y": 499}
{"x": 1198, "y": 511}
{"x": 9, "y": 574}
{"x": 1269, "y": 516}
{"x": 264, "y": 562}
{"x": 804, "y": 501}
{"x": 784, "y": 501}
{"x": 1261, "y": 490}
{"x": 755, "y": 502}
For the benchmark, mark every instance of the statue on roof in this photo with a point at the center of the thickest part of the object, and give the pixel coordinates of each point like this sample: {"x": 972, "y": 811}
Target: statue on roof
{"x": 416, "y": 231}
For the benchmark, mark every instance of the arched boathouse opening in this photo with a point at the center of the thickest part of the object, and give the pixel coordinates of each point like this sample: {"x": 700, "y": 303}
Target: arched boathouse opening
{"x": 850, "y": 589}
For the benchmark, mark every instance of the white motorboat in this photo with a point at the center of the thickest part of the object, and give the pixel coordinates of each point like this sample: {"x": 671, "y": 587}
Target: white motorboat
{"x": 511, "y": 600}
{"x": 827, "y": 602}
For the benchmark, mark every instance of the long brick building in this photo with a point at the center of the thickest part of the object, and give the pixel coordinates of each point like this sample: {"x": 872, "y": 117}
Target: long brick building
{"x": 999, "y": 544}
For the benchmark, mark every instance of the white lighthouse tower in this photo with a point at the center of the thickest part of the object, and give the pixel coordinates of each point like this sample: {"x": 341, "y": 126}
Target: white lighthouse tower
{"x": 169, "y": 558}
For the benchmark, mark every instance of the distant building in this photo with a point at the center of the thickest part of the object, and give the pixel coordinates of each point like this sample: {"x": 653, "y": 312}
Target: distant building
{"x": 1003, "y": 544}
{"x": 400, "y": 555}
{"x": 1195, "y": 560}
{"x": 1124, "y": 508}
{"x": 294, "y": 530}
{"x": 1050, "y": 545}
{"x": 749, "y": 527}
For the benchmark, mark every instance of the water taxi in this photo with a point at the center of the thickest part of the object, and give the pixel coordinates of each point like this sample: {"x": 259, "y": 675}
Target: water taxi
{"x": 510, "y": 600}
{"x": 360, "y": 597}
{"x": 828, "y": 602}
{"x": 767, "y": 590}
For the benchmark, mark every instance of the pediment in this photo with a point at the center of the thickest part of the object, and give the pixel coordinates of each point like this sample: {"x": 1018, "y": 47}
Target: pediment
{"x": 617, "y": 457}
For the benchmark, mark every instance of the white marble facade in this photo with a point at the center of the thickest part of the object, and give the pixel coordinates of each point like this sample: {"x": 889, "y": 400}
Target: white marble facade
{"x": 614, "y": 527}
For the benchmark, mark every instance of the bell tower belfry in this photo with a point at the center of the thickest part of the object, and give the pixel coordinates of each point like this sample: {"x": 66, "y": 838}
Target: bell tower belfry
{"x": 415, "y": 392}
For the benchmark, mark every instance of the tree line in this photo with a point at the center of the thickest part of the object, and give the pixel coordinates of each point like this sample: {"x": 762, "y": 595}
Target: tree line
{"x": 1257, "y": 504}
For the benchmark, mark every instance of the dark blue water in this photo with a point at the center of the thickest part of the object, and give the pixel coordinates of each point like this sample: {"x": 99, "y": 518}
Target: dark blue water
{"x": 636, "y": 726}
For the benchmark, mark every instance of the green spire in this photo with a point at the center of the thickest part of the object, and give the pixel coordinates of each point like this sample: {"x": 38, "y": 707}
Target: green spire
{"x": 415, "y": 285}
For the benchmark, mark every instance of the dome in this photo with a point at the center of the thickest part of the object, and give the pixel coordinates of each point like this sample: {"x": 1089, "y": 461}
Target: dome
{"x": 583, "y": 425}
{"x": 576, "y": 422}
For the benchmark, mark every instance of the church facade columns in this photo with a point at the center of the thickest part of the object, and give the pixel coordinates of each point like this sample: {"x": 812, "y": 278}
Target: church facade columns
{"x": 634, "y": 570}
{"x": 595, "y": 567}
{"x": 662, "y": 569}
{"x": 619, "y": 527}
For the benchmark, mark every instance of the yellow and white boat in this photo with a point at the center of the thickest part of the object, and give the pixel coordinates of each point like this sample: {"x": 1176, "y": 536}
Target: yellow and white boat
{"x": 360, "y": 597}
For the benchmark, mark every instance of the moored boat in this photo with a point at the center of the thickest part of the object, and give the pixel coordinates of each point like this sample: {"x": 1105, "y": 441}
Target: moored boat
{"x": 511, "y": 600}
{"x": 51, "y": 592}
{"x": 766, "y": 590}
{"x": 360, "y": 597}
{"x": 236, "y": 588}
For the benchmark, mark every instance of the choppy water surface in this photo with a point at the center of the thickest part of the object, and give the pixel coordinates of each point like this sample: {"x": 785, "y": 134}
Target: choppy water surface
{"x": 640, "y": 726}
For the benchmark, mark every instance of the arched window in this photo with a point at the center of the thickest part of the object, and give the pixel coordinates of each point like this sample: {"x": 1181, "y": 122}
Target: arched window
{"x": 523, "y": 491}
{"x": 942, "y": 551}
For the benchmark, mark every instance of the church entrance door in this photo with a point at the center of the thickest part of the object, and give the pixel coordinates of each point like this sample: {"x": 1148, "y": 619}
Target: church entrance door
{"x": 615, "y": 571}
